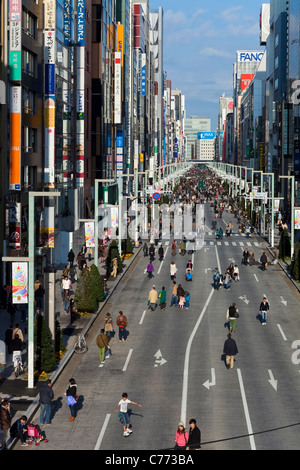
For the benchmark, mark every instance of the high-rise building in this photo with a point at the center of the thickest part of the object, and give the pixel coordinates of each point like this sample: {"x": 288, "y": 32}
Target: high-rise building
{"x": 194, "y": 125}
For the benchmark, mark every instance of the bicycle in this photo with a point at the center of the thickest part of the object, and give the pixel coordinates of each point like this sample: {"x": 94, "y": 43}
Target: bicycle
{"x": 18, "y": 366}
{"x": 80, "y": 346}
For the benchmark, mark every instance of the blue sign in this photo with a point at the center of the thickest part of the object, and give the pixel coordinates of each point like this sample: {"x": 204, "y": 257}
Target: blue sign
{"x": 206, "y": 135}
{"x": 143, "y": 86}
{"x": 80, "y": 22}
{"x": 156, "y": 196}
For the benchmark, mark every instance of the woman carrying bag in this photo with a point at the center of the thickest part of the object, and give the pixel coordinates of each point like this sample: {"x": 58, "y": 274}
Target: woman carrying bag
{"x": 72, "y": 398}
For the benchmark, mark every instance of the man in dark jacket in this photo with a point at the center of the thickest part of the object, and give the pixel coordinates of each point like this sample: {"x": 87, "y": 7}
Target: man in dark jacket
{"x": 230, "y": 349}
{"x": 5, "y": 421}
{"x": 263, "y": 260}
{"x": 194, "y": 442}
{"x": 46, "y": 395}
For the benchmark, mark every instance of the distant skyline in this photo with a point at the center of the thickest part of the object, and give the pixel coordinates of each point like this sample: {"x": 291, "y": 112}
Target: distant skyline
{"x": 200, "y": 43}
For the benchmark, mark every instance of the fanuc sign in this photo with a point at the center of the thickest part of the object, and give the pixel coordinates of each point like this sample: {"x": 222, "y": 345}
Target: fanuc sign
{"x": 249, "y": 56}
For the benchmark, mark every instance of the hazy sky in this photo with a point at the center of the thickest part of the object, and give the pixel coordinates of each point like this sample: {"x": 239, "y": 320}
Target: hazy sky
{"x": 200, "y": 43}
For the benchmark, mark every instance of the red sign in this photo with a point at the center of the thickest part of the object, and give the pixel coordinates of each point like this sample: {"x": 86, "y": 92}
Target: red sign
{"x": 245, "y": 80}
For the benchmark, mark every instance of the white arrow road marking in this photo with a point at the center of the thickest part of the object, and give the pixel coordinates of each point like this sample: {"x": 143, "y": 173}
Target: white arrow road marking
{"x": 159, "y": 359}
{"x": 244, "y": 299}
{"x": 209, "y": 384}
{"x": 272, "y": 381}
{"x": 284, "y": 302}
{"x": 162, "y": 262}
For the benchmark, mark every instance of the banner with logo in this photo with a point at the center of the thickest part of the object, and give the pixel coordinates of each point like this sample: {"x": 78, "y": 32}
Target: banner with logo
{"x": 297, "y": 219}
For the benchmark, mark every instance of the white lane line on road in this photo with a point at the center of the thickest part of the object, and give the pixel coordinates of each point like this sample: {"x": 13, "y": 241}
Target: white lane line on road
{"x": 246, "y": 411}
{"x": 256, "y": 278}
{"x": 162, "y": 262}
{"x": 187, "y": 360}
{"x": 282, "y": 333}
{"x": 102, "y": 432}
{"x": 188, "y": 349}
{"x": 143, "y": 316}
{"x": 127, "y": 360}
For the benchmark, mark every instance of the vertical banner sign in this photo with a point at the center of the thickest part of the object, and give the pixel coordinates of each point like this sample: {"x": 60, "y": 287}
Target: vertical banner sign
{"x": 89, "y": 229}
{"x": 15, "y": 138}
{"x": 14, "y": 224}
{"x": 49, "y": 119}
{"x": 297, "y": 219}
{"x": 19, "y": 283}
{"x": 15, "y": 46}
{"x": 276, "y": 205}
{"x": 80, "y": 92}
{"x": 143, "y": 76}
{"x": 49, "y": 114}
{"x": 118, "y": 88}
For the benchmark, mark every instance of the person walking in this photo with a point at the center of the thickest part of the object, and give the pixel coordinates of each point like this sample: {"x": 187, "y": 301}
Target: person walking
{"x": 46, "y": 396}
{"x": 71, "y": 256}
{"x": 187, "y": 298}
{"x": 108, "y": 325}
{"x": 152, "y": 298}
{"x": 264, "y": 309}
{"x": 102, "y": 343}
{"x": 174, "y": 299}
{"x": 122, "y": 324}
{"x": 264, "y": 261}
{"x": 17, "y": 331}
{"x": 230, "y": 350}
{"x": 194, "y": 441}
{"x": 72, "y": 398}
{"x": 124, "y": 415}
{"x": 245, "y": 256}
{"x": 162, "y": 298}
{"x": 173, "y": 270}
{"x": 232, "y": 315}
{"x": 181, "y": 437}
{"x": 216, "y": 279}
{"x": 150, "y": 270}
{"x": 5, "y": 422}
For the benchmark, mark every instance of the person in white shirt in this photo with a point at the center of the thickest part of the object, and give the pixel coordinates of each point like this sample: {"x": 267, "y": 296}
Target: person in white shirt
{"x": 123, "y": 405}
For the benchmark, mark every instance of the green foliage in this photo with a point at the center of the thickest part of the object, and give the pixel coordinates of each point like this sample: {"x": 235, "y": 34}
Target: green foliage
{"x": 129, "y": 245}
{"x": 89, "y": 290}
{"x": 114, "y": 253}
{"x": 284, "y": 245}
{"x": 45, "y": 358}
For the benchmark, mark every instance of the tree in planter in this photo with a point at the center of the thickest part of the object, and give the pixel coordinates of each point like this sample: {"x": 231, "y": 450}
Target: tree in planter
{"x": 114, "y": 253}
{"x": 45, "y": 359}
{"x": 89, "y": 290}
{"x": 284, "y": 245}
{"x": 129, "y": 244}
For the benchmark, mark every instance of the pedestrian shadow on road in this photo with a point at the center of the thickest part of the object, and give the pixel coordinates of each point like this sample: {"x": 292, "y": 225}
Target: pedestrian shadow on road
{"x": 56, "y": 406}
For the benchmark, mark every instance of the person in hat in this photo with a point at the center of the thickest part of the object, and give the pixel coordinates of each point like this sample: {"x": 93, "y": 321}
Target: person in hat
{"x": 108, "y": 325}
{"x": 181, "y": 437}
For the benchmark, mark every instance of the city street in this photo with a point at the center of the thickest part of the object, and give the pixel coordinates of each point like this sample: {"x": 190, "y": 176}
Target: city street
{"x": 172, "y": 362}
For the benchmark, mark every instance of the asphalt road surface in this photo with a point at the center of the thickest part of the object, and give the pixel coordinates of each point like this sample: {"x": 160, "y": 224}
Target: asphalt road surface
{"x": 172, "y": 362}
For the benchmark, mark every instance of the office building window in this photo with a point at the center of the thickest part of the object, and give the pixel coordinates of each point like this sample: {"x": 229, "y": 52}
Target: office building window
{"x": 29, "y": 22}
{"x": 28, "y": 63}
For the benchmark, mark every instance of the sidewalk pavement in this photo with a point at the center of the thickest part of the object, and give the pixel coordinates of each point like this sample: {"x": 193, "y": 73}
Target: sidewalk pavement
{"x": 22, "y": 399}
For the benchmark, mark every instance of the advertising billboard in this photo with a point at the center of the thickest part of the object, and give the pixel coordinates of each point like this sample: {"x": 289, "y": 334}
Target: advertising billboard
{"x": 264, "y": 23}
{"x": 15, "y": 44}
{"x": 15, "y": 137}
{"x": 118, "y": 88}
{"x": 245, "y": 80}
{"x": 249, "y": 56}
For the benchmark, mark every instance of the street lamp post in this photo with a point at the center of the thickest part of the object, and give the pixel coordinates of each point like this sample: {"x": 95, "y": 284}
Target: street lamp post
{"x": 292, "y": 178}
{"x": 30, "y": 260}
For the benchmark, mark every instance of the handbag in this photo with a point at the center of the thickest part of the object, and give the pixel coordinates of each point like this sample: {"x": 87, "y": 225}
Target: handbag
{"x": 71, "y": 400}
